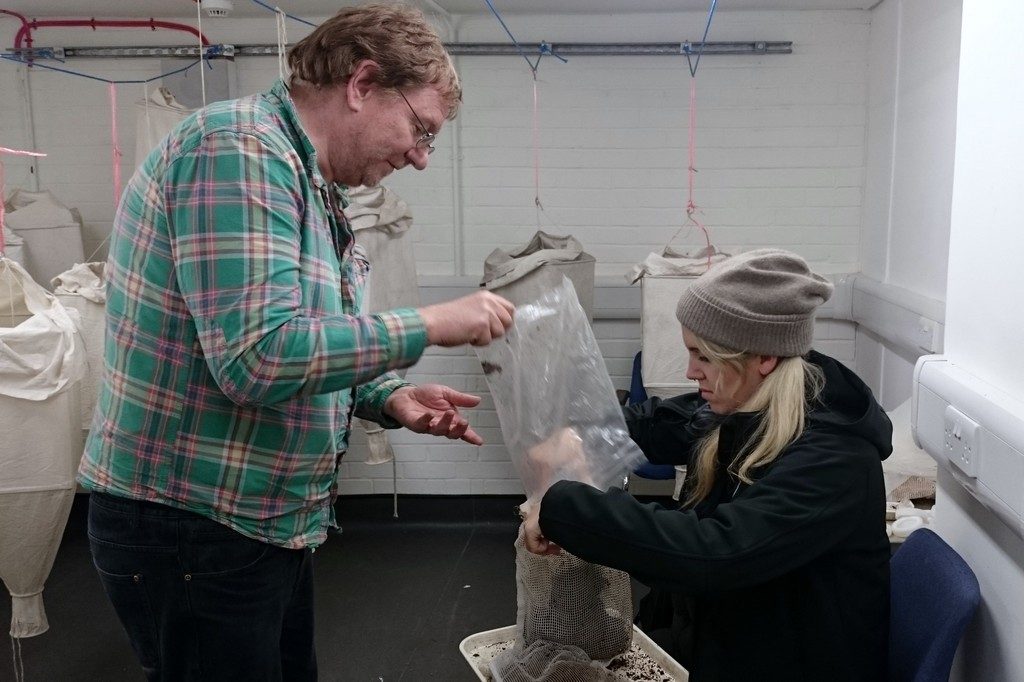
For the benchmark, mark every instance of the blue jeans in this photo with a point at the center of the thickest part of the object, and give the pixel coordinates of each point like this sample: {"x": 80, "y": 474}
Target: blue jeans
{"x": 198, "y": 600}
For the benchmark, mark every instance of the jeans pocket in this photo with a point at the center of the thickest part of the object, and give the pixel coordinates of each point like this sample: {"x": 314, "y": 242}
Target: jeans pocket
{"x": 133, "y": 554}
{"x": 131, "y": 602}
{"x": 214, "y": 550}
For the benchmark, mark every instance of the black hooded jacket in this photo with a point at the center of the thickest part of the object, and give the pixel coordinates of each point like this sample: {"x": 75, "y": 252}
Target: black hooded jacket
{"x": 783, "y": 579}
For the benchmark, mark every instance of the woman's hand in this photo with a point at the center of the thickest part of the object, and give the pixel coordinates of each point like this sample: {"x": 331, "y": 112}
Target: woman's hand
{"x": 533, "y": 538}
{"x": 560, "y": 456}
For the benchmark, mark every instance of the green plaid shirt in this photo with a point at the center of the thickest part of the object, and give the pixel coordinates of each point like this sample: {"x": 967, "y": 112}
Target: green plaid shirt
{"x": 235, "y": 351}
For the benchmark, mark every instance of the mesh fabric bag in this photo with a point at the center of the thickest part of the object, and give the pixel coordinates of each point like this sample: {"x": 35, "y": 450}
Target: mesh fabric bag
{"x": 548, "y": 662}
{"x": 566, "y": 600}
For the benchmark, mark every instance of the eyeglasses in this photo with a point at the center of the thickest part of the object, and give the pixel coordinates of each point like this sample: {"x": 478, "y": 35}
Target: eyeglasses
{"x": 426, "y": 139}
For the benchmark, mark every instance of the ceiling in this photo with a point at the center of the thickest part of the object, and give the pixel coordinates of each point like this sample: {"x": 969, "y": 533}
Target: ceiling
{"x": 319, "y": 8}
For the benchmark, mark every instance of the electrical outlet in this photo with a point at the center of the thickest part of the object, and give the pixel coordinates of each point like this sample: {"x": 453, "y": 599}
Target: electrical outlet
{"x": 962, "y": 441}
{"x": 928, "y": 335}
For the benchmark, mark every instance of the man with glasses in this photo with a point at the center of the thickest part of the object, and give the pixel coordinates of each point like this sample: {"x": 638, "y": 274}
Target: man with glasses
{"x": 426, "y": 138}
{"x": 237, "y": 353}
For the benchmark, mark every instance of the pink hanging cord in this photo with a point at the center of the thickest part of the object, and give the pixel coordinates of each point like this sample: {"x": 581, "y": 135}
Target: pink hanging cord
{"x": 536, "y": 152}
{"x": 115, "y": 149}
{"x": 3, "y": 192}
{"x": 691, "y": 206}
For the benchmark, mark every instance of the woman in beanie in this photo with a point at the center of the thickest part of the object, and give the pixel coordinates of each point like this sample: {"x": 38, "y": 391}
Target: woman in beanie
{"x": 776, "y": 566}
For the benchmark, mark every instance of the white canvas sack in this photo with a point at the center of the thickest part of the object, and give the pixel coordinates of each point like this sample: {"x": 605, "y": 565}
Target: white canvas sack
{"x": 663, "y": 279}
{"x": 380, "y": 222}
{"x": 51, "y": 233}
{"x": 83, "y": 288}
{"x": 41, "y": 363}
{"x": 155, "y": 117}
{"x": 525, "y": 273}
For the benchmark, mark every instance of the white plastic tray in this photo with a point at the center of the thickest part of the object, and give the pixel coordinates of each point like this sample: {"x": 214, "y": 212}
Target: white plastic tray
{"x": 480, "y": 648}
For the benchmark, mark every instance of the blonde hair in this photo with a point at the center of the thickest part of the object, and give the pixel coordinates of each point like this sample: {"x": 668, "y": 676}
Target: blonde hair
{"x": 398, "y": 38}
{"x": 782, "y": 400}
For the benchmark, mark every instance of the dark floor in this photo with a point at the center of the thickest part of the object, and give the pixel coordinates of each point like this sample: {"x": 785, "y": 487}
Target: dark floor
{"x": 394, "y": 597}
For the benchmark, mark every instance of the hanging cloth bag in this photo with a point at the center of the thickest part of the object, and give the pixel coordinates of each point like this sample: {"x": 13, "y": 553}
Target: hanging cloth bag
{"x": 83, "y": 288}
{"x": 41, "y": 362}
{"x": 523, "y": 274}
{"x": 380, "y": 222}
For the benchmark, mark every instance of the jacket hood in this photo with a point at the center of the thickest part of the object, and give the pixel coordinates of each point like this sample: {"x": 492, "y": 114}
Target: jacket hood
{"x": 846, "y": 403}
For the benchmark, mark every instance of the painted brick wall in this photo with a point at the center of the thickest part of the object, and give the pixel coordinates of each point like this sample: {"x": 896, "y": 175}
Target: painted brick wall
{"x": 780, "y": 144}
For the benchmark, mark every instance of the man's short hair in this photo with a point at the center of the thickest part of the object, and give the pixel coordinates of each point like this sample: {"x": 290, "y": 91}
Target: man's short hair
{"x": 397, "y": 37}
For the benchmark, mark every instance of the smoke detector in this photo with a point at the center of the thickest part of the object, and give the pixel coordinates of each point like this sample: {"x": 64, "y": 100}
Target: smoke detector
{"x": 217, "y": 8}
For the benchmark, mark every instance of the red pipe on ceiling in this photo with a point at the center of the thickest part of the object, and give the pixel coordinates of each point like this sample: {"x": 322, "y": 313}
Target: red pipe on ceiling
{"x": 26, "y": 30}
{"x": 24, "y": 23}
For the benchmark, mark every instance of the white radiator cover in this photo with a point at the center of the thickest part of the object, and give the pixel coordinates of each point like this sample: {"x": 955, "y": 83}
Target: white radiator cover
{"x": 999, "y": 483}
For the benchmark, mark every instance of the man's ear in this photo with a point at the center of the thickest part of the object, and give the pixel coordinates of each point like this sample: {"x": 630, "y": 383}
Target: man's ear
{"x": 766, "y": 364}
{"x": 361, "y": 83}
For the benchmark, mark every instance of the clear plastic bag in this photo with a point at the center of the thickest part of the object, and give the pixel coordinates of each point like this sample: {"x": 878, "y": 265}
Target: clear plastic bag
{"x": 555, "y": 401}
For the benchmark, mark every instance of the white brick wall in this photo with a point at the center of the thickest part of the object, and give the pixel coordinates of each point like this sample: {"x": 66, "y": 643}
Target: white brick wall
{"x": 780, "y": 139}
{"x": 780, "y": 148}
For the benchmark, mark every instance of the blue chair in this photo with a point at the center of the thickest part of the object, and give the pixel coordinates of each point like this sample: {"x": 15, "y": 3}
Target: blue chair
{"x": 934, "y": 594}
{"x": 638, "y": 394}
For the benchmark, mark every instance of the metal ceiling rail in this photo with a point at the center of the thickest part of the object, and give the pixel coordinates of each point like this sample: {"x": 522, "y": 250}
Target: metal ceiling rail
{"x": 623, "y": 49}
{"x": 62, "y": 53}
{"x": 753, "y": 47}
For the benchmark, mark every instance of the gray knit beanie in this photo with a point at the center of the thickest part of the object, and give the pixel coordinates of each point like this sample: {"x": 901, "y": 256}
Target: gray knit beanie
{"x": 761, "y": 301}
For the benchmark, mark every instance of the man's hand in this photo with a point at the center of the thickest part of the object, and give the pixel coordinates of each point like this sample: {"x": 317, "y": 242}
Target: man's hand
{"x": 533, "y": 538}
{"x": 433, "y": 409}
{"x": 476, "y": 319}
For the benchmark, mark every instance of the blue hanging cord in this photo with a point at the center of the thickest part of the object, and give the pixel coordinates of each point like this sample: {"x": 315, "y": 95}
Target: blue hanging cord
{"x": 546, "y": 49}
{"x": 707, "y": 27}
{"x": 36, "y": 64}
{"x": 207, "y": 52}
{"x": 514, "y": 41}
{"x": 169, "y": 73}
{"x": 292, "y": 17}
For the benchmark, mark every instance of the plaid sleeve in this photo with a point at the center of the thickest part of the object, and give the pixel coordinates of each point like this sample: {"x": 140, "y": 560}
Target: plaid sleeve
{"x": 235, "y": 214}
{"x": 370, "y": 399}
